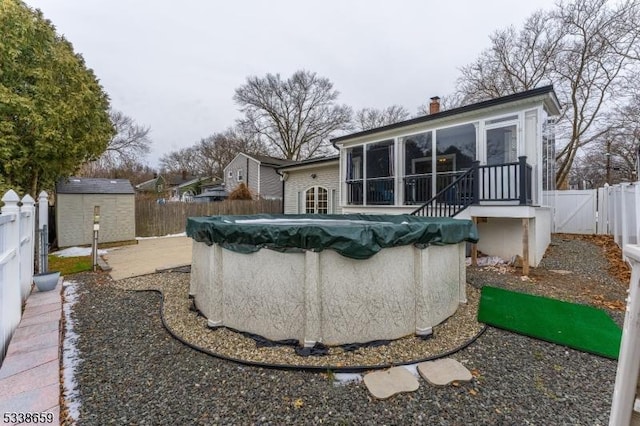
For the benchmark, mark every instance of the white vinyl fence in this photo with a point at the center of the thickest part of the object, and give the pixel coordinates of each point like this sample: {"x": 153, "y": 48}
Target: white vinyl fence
{"x": 625, "y": 404}
{"x": 17, "y": 228}
{"x": 611, "y": 210}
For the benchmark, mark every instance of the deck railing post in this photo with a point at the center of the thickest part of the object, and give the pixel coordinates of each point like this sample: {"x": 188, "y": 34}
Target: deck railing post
{"x": 522, "y": 179}
{"x": 475, "y": 182}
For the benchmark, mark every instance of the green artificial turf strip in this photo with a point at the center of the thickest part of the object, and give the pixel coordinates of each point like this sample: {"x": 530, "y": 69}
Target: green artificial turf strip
{"x": 577, "y": 326}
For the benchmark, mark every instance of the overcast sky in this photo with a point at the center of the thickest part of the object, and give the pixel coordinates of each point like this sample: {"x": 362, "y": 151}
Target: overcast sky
{"x": 173, "y": 66}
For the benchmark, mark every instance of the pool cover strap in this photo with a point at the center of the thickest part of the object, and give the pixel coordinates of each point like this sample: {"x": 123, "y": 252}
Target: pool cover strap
{"x": 356, "y": 240}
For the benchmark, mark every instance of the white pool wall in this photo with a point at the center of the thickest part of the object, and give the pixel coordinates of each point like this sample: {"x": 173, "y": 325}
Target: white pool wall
{"x": 326, "y": 297}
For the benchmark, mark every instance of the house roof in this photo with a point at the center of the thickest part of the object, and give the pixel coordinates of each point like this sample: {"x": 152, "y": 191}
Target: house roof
{"x": 81, "y": 185}
{"x": 545, "y": 90}
{"x": 217, "y": 191}
{"x": 147, "y": 185}
{"x": 311, "y": 162}
{"x": 269, "y": 161}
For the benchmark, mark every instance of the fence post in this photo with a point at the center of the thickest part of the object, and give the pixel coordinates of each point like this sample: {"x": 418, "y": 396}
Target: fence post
{"x": 624, "y": 392}
{"x": 10, "y": 288}
{"x": 636, "y": 203}
{"x": 27, "y": 229}
{"x": 43, "y": 226}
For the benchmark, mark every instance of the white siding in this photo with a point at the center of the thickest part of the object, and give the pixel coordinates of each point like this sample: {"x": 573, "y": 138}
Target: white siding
{"x": 298, "y": 181}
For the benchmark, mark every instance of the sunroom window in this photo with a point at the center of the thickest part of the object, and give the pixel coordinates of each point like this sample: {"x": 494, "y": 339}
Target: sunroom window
{"x": 354, "y": 175}
{"x": 426, "y": 173}
{"x": 418, "y": 166}
{"x": 379, "y": 178}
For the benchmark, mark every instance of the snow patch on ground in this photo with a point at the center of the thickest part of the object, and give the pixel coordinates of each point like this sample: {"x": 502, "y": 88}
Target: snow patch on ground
{"x": 77, "y": 251}
{"x": 182, "y": 234}
{"x": 487, "y": 261}
{"x": 70, "y": 355}
{"x": 413, "y": 369}
{"x": 341, "y": 379}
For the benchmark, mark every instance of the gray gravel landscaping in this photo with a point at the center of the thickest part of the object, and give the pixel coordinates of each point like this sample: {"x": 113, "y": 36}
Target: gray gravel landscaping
{"x": 133, "y": 372}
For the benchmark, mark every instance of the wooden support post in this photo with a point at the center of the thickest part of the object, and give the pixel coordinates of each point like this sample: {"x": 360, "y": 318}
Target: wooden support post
{"x": 525, "y": 246}
{"x": 474, "y": 246}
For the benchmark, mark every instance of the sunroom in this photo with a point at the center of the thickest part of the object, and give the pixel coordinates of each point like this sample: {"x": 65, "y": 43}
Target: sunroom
{"x": 492, "y": 159}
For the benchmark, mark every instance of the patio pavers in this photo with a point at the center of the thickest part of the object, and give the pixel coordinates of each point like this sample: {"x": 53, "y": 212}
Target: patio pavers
{"x": 30, "y": 372}
{"x": 443, "y": 371}
{"x": 385, "y": 384}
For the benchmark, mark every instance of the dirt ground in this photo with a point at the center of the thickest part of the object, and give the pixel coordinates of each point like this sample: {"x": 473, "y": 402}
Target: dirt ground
{"x": 606, "y": 290}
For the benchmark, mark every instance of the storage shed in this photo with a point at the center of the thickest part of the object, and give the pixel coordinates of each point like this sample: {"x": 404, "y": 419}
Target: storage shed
{"x": 76, "y": 198}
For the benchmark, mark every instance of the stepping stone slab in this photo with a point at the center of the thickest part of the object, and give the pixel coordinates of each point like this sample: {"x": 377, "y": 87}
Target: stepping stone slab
{"x": 385, "y": 384}
{"x": 441, "y": 372}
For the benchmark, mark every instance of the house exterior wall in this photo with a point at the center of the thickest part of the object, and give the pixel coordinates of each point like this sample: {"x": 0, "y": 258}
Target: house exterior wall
{"x": 500, "y": 230}
{"x": 249, "y": 168}
{"x": 270, "y": 183}
{"x": 298, "y": 181}
{"x": 74, "y": 218}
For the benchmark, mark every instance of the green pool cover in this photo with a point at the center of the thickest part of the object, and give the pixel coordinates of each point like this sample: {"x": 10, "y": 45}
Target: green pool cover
{"x": 577, "y": 326}
{"x": 357, "y": 236}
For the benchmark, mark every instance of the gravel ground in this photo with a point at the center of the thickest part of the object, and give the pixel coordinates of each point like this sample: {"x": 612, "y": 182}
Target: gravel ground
{"x": 454, "y": 333}
{"x": 133, "y": 372}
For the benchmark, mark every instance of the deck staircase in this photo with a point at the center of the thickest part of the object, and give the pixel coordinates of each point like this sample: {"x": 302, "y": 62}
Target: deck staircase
{"x": 461, "y": 193}
{"x": 506, "y": 184}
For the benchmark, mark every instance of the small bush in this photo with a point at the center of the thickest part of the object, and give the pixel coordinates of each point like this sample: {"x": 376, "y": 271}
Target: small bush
{"x": 242, "y": 192}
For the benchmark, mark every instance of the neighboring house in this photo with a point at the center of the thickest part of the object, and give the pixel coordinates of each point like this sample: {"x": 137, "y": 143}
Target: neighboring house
{"x": 76, "y": 199}
{"x": 258, "y": 172}
{"x": 489, "y": 161}
{"x": 175, "y": 187}
{"x": 155, "y": 186}
{"x": 188, "y": 187}
{"x": 312, "y": 186}
{"x": 211, "y": 193}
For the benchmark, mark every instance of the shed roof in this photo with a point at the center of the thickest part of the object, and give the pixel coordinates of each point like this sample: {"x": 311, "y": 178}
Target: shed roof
{"x": 81, "y": 185}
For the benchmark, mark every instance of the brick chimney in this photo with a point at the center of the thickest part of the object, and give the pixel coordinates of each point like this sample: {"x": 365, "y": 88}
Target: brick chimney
{"x": 434, "y": 105}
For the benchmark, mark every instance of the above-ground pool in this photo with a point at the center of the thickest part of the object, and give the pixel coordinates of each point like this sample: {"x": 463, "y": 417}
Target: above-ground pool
{"x": 334, "y": 279}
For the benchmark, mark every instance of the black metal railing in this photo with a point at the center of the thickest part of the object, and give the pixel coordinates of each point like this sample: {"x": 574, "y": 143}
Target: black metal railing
{"x": 506, "y": 182}
{"x": 380, "y": 191}
{"x": 355, "y": 195}
{"x": 494, "y": 183}
{"x": 456, "y": 195}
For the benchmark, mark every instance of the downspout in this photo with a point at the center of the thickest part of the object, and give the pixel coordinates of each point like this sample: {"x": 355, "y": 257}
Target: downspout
{"x": 247, "y": 172}
{"x": 281, "y": 180}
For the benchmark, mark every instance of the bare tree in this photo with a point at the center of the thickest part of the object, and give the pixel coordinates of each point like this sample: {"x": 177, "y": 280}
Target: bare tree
{"x": 182, "y": 160}
{"x": 586, "y": 48}
{"x": 371, "y": 118}
{"x": 211, "y": 155}
{"x": 217, "y": 150}
{"x": 294, "y": 117}
{"x": 516, "y": 61}
{"x": 130, "y": 143}
{"x": 122, "y": 157}
{"x": 134, "y": 171}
